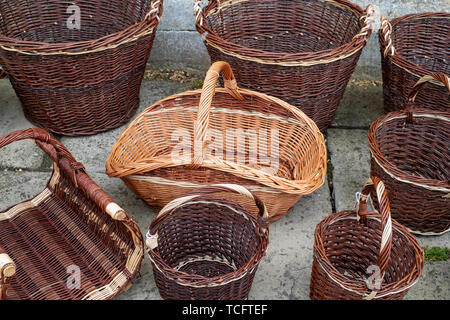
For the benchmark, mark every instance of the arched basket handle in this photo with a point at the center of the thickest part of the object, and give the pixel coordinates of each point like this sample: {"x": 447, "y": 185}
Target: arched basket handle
{"x": 386, "y": 37}
{"x": 206, "y": 98}
{"x": 375, "y": 187}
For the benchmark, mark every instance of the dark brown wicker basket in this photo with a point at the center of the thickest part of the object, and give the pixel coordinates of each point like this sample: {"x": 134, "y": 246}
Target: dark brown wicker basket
{"x": 413, "y": 46}
{"x": 204, "y": 248}
{"x": 301, "y": 51}
{"x": 353, "y": 250}
{"x": 411, "y": 154}
{"x": 72, "y": 224}
{"x": 77, "y": 82}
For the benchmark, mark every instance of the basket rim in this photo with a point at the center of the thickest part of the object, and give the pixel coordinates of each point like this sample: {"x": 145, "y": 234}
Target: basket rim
{"x": 113, "y": 169}
{"x": 359, "y": 286}
{"x": 110, "y": 41}
{"x": 288, "y": 59}
{"x": 400, "y": 61}
{"x": 195, "y": 280}
{"x": 391, "y": 168}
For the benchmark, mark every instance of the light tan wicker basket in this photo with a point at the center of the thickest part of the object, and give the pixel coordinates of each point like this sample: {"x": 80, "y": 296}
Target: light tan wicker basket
{"x": 146, "y": 155}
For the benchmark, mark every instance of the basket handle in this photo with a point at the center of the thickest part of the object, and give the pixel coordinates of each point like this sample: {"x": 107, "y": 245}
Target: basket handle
{"x": 439, "y": 77}
{"x": 369, "y": 19}
{"x": 204, "y": 109}
{"x": 62, "y": 156}
{"x": 374, "y": 186}
{"x": 386, "y": 37}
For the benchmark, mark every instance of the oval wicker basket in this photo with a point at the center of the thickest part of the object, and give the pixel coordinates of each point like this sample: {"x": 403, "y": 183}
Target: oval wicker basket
{"x": 77, "y": 81}
{"x": 413, "y": 46}
{"x": 411, "y": 154}
{"x": 71, "y": 226}
{"x": 207, "y": 248}
{"x": 232, "y": 135}
{"x": 303, "y": 52}
{"x": 364, "y": 255}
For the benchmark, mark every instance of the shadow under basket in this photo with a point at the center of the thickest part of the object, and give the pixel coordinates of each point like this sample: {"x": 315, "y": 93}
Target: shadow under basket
{"x": 207, "y": 248}
{"x": 77, "y": 81}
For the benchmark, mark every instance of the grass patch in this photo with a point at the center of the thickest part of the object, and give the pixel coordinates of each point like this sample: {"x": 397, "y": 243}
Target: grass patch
{"x": 436, "y": 254}
{"x": 196, "y": 84}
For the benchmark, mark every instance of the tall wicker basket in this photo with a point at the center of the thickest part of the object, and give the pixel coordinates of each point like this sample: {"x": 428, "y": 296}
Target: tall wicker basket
{"x": 71, "y": 241}
{"x": 364, "y": 255}
{"x": 411, "y": 153}
{"x": 414, "y": 46}
{"x": 301, "y": 51}
{"x": 208, "y": 248}
{"x": 212, "y": 136}
{"x": 74, "y": 81}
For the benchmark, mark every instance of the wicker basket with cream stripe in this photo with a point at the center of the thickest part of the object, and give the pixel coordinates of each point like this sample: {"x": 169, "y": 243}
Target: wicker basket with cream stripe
{"x": 301, "y": 51}
{"x": 364, "y": 255}
{"x": 229, "y": 135}
{"x": 411, "y": 154}
{"x": 71, "y": 241}
{"x": 204, "y": 247}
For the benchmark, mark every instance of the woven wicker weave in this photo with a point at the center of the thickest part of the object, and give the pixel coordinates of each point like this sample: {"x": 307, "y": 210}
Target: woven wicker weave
{"x": 205, "y": 248}
{"x": 349, "y": 246}
{"x": 70, "y": 225}
{"x": 301, "y": 51}
{"x": 411, "y": 47}
{"x": 411, "y": 154}
{"x": 241, "y": 137}
{"x": 77, "y": 82}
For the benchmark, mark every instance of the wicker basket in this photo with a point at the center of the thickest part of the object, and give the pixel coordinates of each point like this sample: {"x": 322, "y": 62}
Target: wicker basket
{"x": 411, "y": 154}
{"x": 77, "y": 82}
{"x": 411, "y": 47}
{"x": 240, "y": 137}
{"x": 205, "y": 248}
{"x": 303, "y": 52}
{"x": 364, "y": 255}
{"x": 71, "y": 226}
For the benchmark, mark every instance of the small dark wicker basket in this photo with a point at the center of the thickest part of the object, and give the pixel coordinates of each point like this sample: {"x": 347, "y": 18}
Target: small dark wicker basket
{"x": 413, "y": 46}
{"x": 77, "y": 81}
{"x": 203, "y": 248}
{"x": 411, "y": 154}
{"x": 301, "y": 51}
{"x": 364, "y": 255}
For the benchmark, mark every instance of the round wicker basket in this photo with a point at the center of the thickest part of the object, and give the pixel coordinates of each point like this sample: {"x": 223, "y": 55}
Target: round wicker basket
{"x": 364, "y": 255}
{"x": 77, "y": 80}
{"x": 204, "y": 248}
